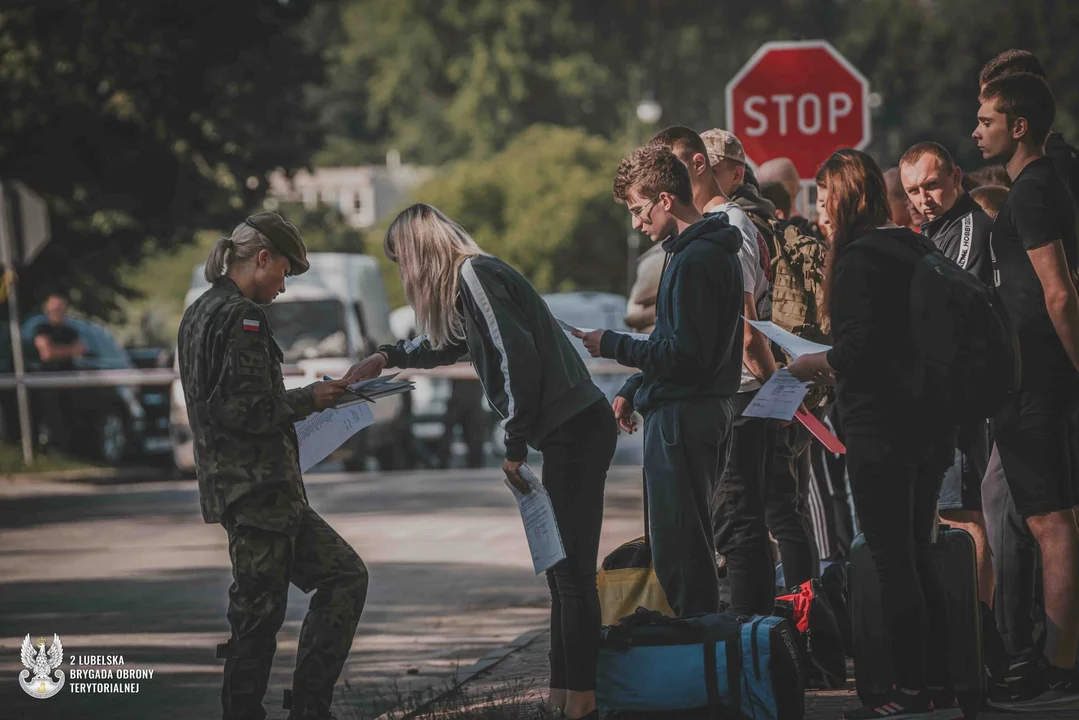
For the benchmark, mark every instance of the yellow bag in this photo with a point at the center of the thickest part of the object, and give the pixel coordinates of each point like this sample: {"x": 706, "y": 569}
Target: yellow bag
{"x": 628, "y": 581}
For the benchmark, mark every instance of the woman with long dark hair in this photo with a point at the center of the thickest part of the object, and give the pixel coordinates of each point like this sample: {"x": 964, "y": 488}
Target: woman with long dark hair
{"x": 898, "y": 434}
{"x": 470, "y": 303}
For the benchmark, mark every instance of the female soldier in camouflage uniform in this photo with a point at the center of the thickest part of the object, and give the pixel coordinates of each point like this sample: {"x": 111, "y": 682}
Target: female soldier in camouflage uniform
{"x": 247, "y": 458}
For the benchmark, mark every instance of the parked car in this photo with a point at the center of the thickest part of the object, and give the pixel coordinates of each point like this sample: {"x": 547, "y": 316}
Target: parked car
{"x": 107, "y": 423}
{"x": 592, "y": 311}
{"x": 587, "y": 310}
{"x": 430, "y": 405}
{"x": 155, "y": 399}
{"x": 331, "y": 316}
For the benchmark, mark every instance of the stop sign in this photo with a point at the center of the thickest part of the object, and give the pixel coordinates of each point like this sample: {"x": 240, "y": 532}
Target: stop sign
{"x": 800, "y": 100}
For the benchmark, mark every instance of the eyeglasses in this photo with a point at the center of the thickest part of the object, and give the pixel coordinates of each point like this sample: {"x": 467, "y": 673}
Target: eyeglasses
{"x": 636, "y": 212}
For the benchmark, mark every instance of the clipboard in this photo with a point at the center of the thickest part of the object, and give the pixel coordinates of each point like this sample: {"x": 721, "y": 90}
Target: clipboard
{"x": 816, "y": 427}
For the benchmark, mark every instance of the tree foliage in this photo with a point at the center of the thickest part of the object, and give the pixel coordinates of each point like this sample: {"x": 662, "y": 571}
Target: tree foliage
{"x": 441, "y": 79}
{"x": 924, "y": 60}
{"x": 143, "y": 122}
{"x": 542, "y": 204}
{"x": 445, "y": 79}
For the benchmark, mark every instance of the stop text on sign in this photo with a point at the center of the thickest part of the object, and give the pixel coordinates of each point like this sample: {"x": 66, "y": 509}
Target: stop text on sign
{"x": 799, "y": 100}
{"x": 809, "y": 111}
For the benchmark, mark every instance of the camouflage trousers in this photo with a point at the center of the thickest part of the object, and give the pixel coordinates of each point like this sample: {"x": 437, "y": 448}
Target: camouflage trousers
{"x": 264, "y": 562}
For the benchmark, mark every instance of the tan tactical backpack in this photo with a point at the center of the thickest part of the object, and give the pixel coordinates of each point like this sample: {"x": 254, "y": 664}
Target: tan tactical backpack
{"x": 798, "y": 285}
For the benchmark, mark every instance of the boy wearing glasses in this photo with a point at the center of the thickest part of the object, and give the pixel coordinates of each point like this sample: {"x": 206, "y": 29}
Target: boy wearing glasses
{"x": 690, "y": 369}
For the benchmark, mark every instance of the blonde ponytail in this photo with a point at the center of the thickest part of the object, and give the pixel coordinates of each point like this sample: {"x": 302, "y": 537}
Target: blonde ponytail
{"x": 218, "y": 260}
{"x": 244, "y": 243}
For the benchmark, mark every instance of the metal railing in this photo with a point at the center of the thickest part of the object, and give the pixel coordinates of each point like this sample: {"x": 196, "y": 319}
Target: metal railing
{"x": 24, "y": 382}
{"x": 88, "y": 378}
{"x": 162, "y": 376}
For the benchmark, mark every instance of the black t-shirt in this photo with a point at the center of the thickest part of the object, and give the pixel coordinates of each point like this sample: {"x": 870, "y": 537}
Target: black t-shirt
{"x": 1066, "y": 160}
{"x": 1038, "y": 211}
{"x": 61, "y": 334}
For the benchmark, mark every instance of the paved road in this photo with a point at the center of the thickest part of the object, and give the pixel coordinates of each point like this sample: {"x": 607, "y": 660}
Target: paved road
{"x": 131, "y": 570}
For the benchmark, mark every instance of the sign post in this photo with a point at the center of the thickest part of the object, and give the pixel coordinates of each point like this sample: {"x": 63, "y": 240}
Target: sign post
{"x": 7, "y": 256}
{"x": 799, "y": 100}
{"x": 29, "y": 228}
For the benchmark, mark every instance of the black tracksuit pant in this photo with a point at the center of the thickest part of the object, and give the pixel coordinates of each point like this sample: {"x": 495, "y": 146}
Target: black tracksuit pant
{"x": 786, "y": 508}
{"x": 685, "y": 447}
{"x": 739, "y": 518}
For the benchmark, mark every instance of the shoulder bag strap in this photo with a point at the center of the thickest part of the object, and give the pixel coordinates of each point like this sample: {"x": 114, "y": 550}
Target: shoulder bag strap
{"x": 644, "y": 487}
{"x": 732, "y": 646}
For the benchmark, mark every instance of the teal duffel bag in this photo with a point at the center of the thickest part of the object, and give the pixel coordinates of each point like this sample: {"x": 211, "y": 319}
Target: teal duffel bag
{"x": 721, "y": 664}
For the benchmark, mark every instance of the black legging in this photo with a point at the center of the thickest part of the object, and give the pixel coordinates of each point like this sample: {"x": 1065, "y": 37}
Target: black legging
{"x": 895, "y": 488}
{"x": 576, "y": 458}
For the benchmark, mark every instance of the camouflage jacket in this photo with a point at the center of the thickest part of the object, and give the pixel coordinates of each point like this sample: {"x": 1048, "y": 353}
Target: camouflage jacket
{"x": 246, "y": 452}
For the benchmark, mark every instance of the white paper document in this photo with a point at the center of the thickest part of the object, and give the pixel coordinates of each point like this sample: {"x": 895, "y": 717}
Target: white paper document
{"x": 790, "y": 342}
{"x": 569, "y": 328}
{"x": 779, "y": 397}
{"x": 541, "y": 528}
{"x": 321, "y": 433}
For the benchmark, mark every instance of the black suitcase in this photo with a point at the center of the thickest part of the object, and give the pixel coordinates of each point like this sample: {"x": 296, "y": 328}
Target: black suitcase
{"x": 954, "y": 566}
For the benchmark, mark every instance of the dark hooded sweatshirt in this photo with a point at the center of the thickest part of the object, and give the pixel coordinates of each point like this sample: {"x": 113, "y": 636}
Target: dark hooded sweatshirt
{"x": 695, "y": 350}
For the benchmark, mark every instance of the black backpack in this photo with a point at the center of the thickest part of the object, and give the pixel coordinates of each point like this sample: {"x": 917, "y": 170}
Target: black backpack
{"x": 821, "y": 653}
{"x": 964, "y": 338}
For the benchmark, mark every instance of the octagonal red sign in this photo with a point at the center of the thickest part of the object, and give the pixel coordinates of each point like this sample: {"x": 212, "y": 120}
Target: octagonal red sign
{"x": 800, "y": 100}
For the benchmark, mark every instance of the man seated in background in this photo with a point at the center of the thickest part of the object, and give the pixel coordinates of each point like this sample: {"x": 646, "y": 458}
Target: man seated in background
{"x": 57, "y": 344}
{"x": 641, "y": 307}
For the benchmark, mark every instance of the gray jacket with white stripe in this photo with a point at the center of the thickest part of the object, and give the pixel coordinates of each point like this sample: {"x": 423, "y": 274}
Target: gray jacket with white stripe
{"x": 532, "y": 375}
{"x": 962, "y": 234}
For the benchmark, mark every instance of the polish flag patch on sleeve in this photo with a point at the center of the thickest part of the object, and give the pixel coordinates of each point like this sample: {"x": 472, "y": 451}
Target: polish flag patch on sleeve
{"x": 251, "y": 325}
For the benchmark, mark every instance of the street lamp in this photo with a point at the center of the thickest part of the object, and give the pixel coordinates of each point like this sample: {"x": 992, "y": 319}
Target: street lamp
{"x": 648, "y": 110}
{"x": 648, "y": 113}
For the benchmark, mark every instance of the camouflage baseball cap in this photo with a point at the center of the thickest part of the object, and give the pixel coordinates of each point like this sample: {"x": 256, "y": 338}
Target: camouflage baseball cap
{"x": 284, "y": 236}
{"x": 722, "y": 145}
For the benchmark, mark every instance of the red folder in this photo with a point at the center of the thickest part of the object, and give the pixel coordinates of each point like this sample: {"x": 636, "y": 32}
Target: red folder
{"x": 815, "y": 426}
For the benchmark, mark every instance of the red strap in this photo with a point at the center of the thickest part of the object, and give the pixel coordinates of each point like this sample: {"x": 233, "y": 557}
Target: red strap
{"x": 802, "y": 602}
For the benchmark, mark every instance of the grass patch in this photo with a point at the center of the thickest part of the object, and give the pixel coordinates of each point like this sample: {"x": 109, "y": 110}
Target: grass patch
{"x": 11, "y": 461}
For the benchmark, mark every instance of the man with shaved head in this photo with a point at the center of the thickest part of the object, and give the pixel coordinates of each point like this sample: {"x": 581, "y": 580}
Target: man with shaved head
{"x": 781, "y": 170}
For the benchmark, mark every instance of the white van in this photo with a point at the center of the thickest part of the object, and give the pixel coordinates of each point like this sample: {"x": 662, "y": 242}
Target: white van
{"x": 327, "y": 319}
{"x": 591, "y": 311}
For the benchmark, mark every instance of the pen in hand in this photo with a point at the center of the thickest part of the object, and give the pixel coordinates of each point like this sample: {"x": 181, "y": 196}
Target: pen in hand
{"x": 357, "y": 393}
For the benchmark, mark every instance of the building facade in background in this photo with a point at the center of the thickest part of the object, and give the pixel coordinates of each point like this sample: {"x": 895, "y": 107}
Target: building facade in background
{"x": 364, "y": 195}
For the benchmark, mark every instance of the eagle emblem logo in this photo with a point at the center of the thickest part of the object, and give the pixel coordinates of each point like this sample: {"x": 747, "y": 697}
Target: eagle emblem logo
{"x": 42, "y": 663}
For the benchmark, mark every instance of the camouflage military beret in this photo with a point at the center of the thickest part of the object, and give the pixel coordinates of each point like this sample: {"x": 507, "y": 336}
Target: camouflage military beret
{"x": 284, "y": 236}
